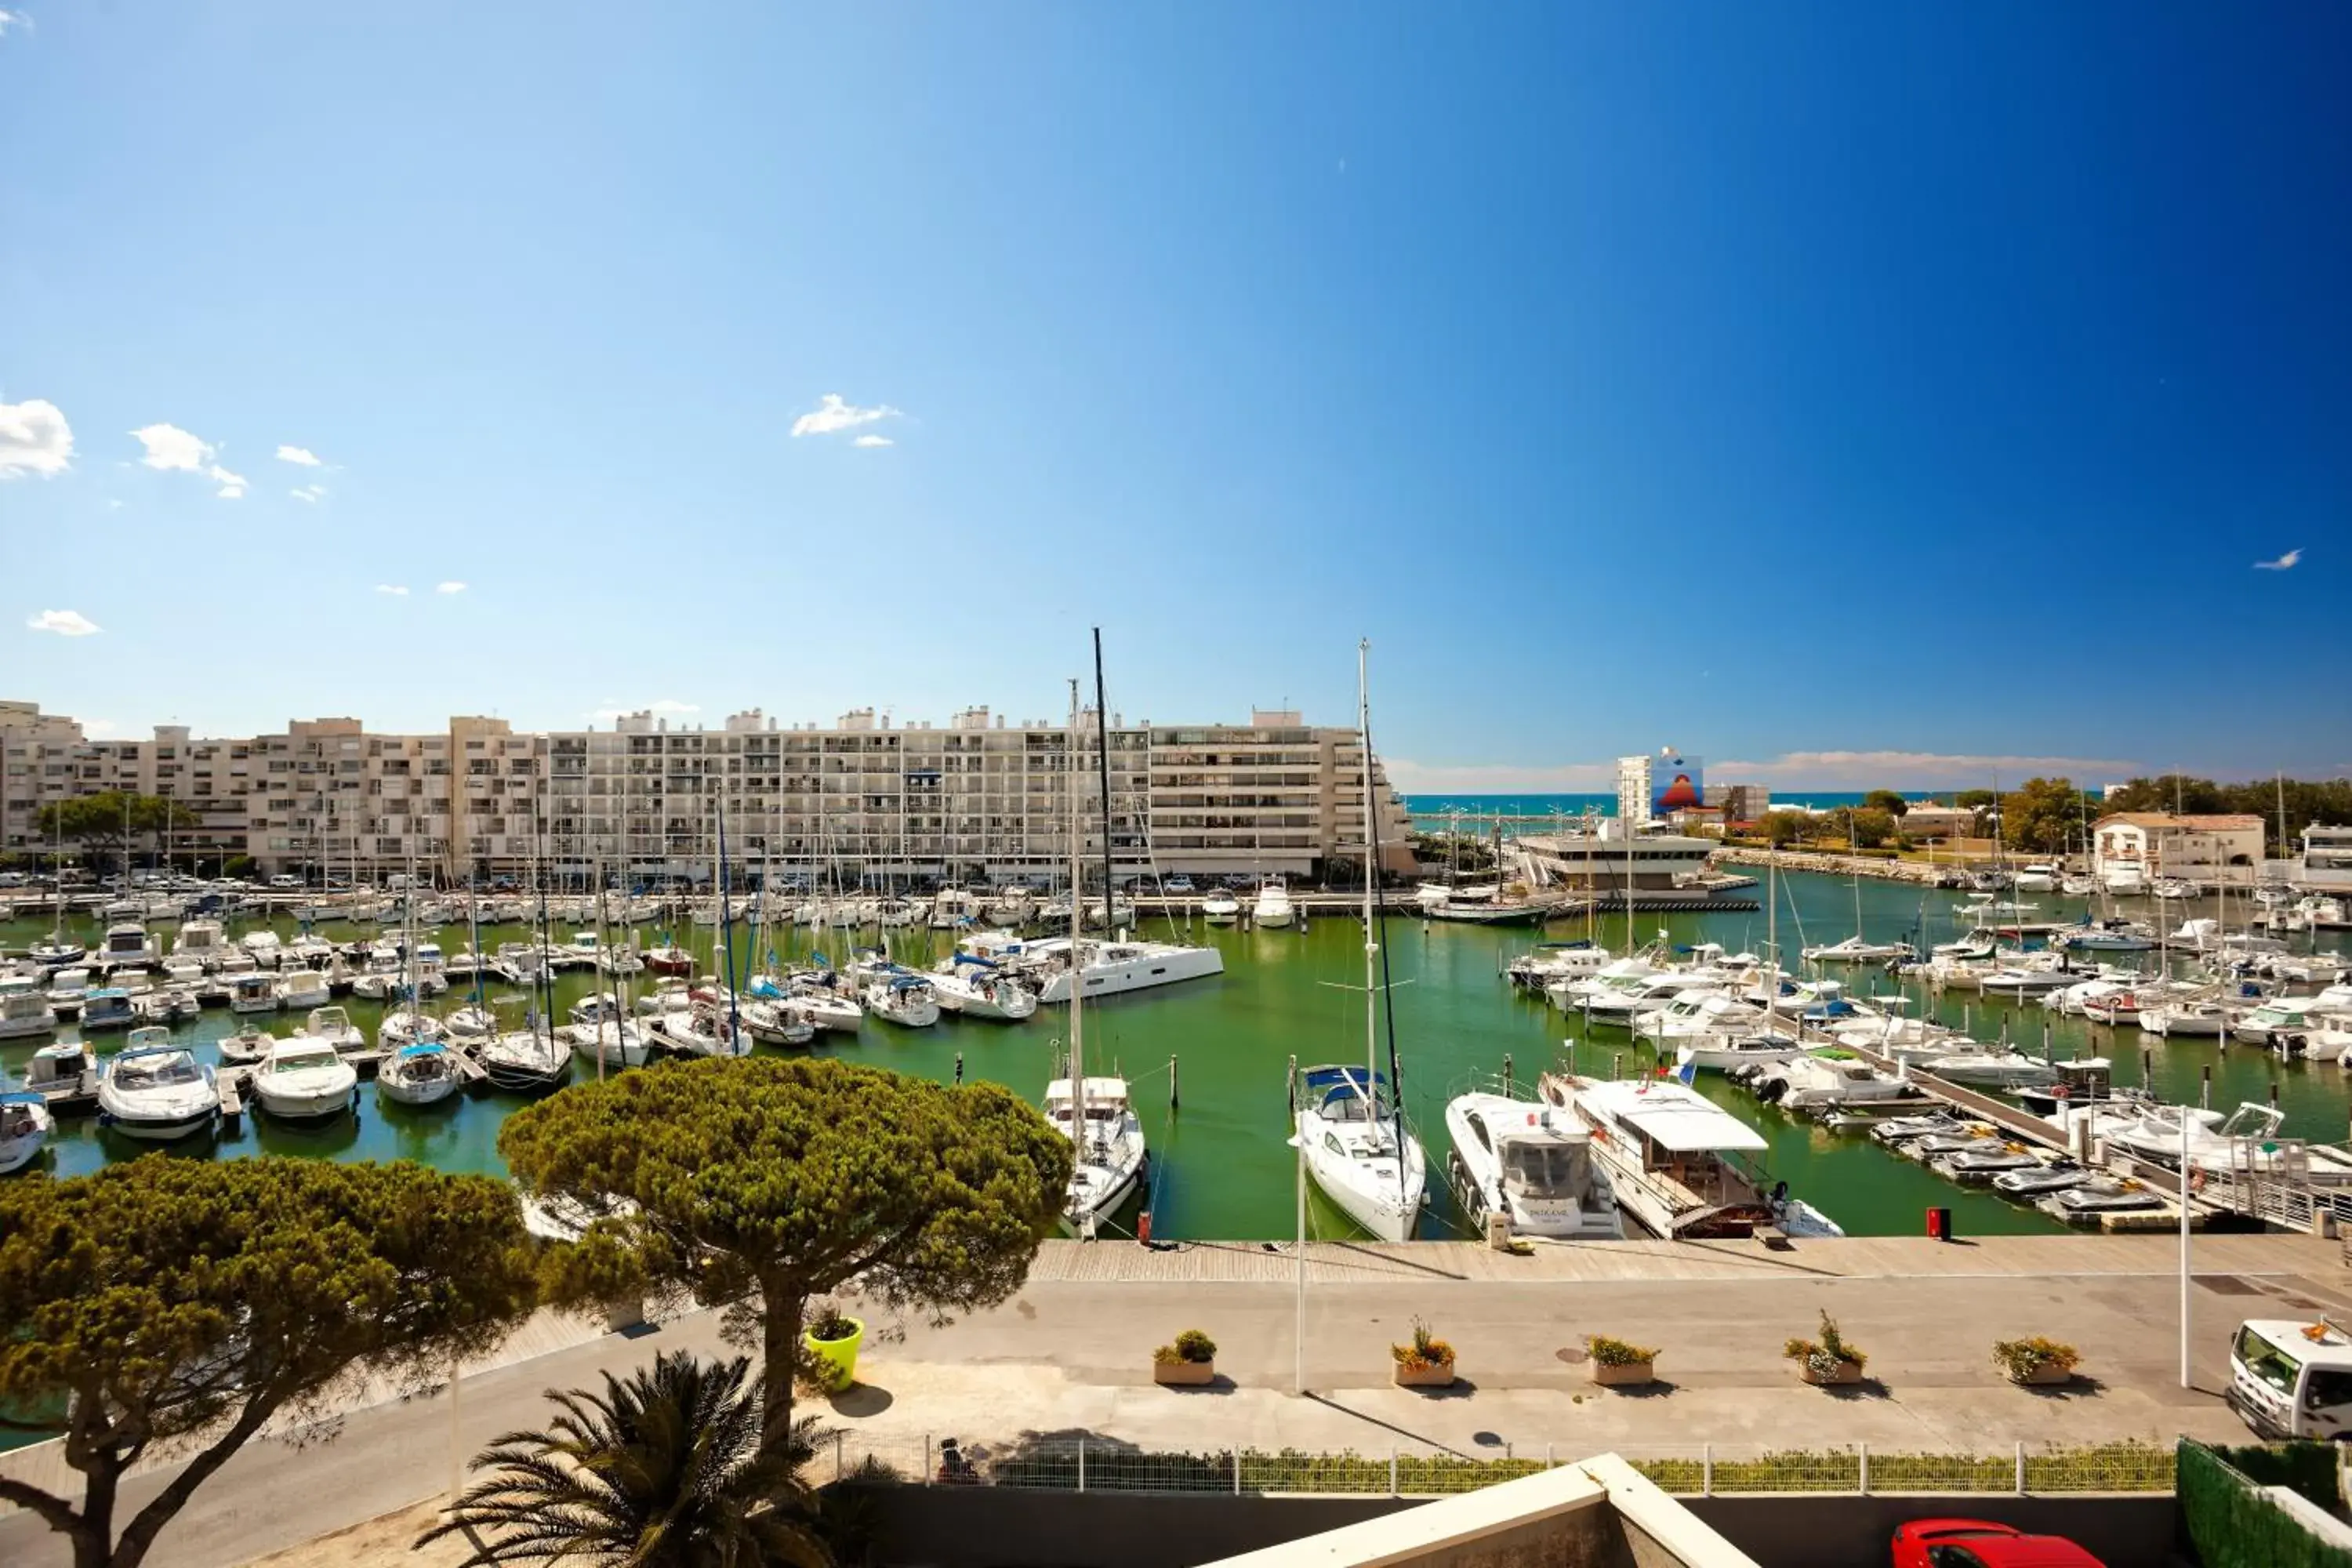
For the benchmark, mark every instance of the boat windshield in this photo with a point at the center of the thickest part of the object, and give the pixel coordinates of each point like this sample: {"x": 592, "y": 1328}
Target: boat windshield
{"x": 303, "y": 1061}
{"x": 157, "y": 1072}
{"x": 1545, "y": 1168}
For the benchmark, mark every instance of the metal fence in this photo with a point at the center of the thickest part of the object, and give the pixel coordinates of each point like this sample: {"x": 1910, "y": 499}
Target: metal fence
{"x": 1101, "y": 1464}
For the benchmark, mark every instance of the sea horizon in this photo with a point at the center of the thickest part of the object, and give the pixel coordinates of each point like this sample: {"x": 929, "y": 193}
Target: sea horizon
{"x": 1589, "y": 803}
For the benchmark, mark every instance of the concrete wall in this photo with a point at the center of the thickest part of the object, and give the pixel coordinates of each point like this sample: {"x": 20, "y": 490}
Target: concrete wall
{"x": 1783, "y": 1532}
{"x": 996, "y": 1527}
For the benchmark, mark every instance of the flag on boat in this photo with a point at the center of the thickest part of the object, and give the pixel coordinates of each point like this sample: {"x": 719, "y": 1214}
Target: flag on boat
{"x": 1688, "y": 1073}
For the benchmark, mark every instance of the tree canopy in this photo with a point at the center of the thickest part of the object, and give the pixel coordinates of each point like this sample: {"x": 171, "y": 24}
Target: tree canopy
{"x": 181, "y": 1300}
{"x": 764, "y": 1183}
{"x": 2307, "y": 801}
{"x": 101, "y": 821}
{"x": 1869, "y": 827}
{"x": 1783, "y": 828}
{"x": 2043, "y": 815}
{"x": 1886, "y": 800}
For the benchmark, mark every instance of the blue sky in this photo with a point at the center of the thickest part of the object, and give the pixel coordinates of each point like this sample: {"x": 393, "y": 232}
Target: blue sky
{"x": 1852, "y": 397}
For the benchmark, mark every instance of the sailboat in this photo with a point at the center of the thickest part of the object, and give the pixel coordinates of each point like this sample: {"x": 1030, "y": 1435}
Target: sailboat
{"x": 1094, "y": 1113}
{"x": 1357, "y": 1146}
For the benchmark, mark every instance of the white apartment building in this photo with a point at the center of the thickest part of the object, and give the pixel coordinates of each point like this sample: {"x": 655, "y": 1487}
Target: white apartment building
{"x": 862, "y": 801}
{"x": 2160, "y": 844}
{"x": 1634, "y": 793}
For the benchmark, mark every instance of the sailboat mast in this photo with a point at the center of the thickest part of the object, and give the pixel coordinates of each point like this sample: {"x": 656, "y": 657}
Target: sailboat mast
{"x": 1371, "y": 949}
{"x": 727, "y": 921}
{"x": 1102, "y": 756}
{"x": 1377, "y": 937}
{"x": 1077, "y": 917}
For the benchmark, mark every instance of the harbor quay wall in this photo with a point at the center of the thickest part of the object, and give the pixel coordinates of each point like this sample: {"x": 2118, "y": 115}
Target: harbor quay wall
{"x": 981, "y": 1527}
{"x": 1886, "y": 870}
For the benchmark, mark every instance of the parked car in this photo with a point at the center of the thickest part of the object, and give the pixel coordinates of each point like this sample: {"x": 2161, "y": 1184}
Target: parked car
{"x": 1982, "y": 1543}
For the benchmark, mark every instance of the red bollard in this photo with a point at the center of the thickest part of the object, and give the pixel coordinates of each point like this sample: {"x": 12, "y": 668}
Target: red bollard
{"x": 1143, "y": 1228}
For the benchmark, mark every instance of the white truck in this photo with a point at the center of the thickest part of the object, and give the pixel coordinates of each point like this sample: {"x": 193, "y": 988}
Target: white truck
{"x": 2291, "y": 1379}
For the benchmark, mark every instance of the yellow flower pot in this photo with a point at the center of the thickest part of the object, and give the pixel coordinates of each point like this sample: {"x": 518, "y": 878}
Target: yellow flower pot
{"x": 837, "y": 1358}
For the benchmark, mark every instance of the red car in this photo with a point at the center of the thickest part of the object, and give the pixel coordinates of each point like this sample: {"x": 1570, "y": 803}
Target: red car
{"x": 1981, "y": 1544}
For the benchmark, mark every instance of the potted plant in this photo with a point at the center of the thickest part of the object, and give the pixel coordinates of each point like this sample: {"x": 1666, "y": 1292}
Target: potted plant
{"x": 1190, "y": 1363}
{"x": 831, "y": 1340}
{"x": 1619, "y": 1363}
{"x": 1427, "y": 1362}
{"x": 2036, "y": 1362}
{"x": 1830, "y": 1361}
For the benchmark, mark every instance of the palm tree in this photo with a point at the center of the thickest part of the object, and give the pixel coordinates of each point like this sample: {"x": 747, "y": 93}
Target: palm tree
{"x": 664, "y": 1471}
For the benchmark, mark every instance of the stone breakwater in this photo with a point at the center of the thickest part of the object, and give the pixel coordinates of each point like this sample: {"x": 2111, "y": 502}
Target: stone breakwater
{"x": 1837, "y": 865}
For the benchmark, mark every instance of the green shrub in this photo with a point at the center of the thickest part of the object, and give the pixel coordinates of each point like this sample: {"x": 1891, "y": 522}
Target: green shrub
{"x": 1191, "y": 1345}
{"x": 1617, "y": 1353}
{"x": 2020, "y": 1359}
{"x": 1426, "y": 1350}
{"x": 1822, "y": 1358}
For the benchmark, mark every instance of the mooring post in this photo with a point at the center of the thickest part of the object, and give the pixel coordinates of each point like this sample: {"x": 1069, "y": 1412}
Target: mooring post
{"x": 1174, "y": 1100}
{"x": 959, "y": 1078}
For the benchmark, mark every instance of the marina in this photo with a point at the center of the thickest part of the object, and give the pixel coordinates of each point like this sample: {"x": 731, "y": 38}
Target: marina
{"x": 1216, "y": 1169}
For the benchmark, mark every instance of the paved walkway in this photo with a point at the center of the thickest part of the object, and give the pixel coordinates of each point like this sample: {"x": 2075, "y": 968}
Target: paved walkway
{"x": 1070, "y": 1357}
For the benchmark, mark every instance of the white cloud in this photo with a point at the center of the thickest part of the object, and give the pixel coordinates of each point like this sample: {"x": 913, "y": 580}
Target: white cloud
{"x": 232, "y": 486}
{"x": 833, "y": 414}
{"x": 2285, "y": 562}
{"x": 65, "y": 623}
{"x": 448, "y": 587}
{"x": 169, "y": 446}
{"x": 33, "y": 437}
{"x": 301, "y": 455}
{"x": 393, "y": 588}
{"x": 13, "y": 19}
{"x": 1914, "y": 770}
{"x": 874, "y": 441}
{"x": 666, "y": 706}
{"x": 309, "y": 493}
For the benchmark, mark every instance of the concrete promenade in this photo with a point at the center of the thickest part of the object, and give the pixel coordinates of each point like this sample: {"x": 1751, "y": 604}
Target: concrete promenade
{"x": 1071, "y": 1357}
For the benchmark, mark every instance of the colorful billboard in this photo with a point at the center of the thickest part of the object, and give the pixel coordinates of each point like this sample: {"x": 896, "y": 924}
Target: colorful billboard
{"x": 1676, "y": 782}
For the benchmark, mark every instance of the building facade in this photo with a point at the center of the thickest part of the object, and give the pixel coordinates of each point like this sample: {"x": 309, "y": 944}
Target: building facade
{"x": 1633, "y": 789}
{"x": 862, "y": 801}
{"x": 2159, "y": 844}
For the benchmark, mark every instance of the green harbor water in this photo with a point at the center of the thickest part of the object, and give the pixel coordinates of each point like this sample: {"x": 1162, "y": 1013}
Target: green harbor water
{"x": 1221, "y": 1165}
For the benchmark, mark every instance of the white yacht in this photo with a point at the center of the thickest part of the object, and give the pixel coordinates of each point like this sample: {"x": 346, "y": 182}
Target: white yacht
{"x": 62, "y": 1065}
{"x": 158, "y": 1092}
{"x": 253, "y": 993}
{"x": 127, "y": 946}
{"x": 1221, "y": 908}
{"x": 776, "y": 1021}
{"x": 1821, "y": 1080}
{"x": 983, "y": 991}
{"x": 1856, "y": 950}
{"x": 2186, "y": 1016}
{"x": 263, "y": 947}
{"x": 202, "y": 940}
{"x": 904, "y": 999}
{"x": 1115, "y": 968}
{"x": 1695, "y": 1014}
{"x": 67, "y": 986}
{"x": 620, "y": 1042}
{"x": 299, "y": 989}
{"x": 2266, "y": 1024}
{"x": 303, "y": 1080}
{"x": 2038, "y": 877}
{"x": 1272, "y": 906}
{"x": 25, "y": 1011}
{"x": 701, "y": 1031}
{"x": 418, "y": 1075}
{"x": 1111, "y": 1157}
{"x": 1676, "y": 1159}
{"x": 249, "y": 1046}
{"x": 108, "y": 1007}
{"x": 23, "y": 1130}
{"x": 826, "y": 1008}
{"x": 1529, "y": 1164}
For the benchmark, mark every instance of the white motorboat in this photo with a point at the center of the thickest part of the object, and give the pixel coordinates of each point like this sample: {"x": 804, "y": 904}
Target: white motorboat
{"x": 56, "y": 953}
{"x": 977, "y": 989}
{"x": 470, "y": 1025}
{"x": 527, "y": 1061}
{"x": 775, "y": 1022}
{"x": 2202, "y": 1017}
{"x": 2035, "y": 878}
{"x": 2127, "y": 878}
{"x": 952, "y": 908}
{"x": 202, "y": 940}
{"x": 25, "y": 1010}
{"x": 1273, "y": 906}
{"x": 1988, "y": 1067}
{"x": 2279, "y": 1018}
{"x": 1736, "y": 1055}
{"x": 2076, "y": 886}
{"x": 906, "y": 1000}
{"x": 2027, "y": 980}
{"x": 299, "y": 989}
{"x": 1556, "y": 963}
{"x": 23, "y": 1130}
{"x": 127, "y": 946}
{"x": 183, "y": 971}
{"x": 304, "y": 1079}
{"x": 60, "y": 1065}
{"x": 1115, "y": 968}
{"x": 1221, "y": 908}
{"x": 254, "y": 993}
{"x": 1858, "y": 950}
{"x": 67, "y": 986}
{"x": 2173, "y": 888}
{"x": 263, "y": 947}
{"x": 1532, "y": 1164}
{"x": 249, "y": 1047}
{"x": 1695, "y": 1014}
{"x": 1110, "y": 1152}
{"x": 158, "y": 1093}
{"x": 334, "y": 1025}
{"x": 167, "y": 1004}
{"x": 826, "y": 1008}
{"x": 1822, "y": 1079}
{"x": 418, "y": 1075}
{"x": 1677, "y": 1161}
{"x": 1617, "y": 1000}
{"x": 108, "y": 1007}
{"x": 618, "y": 1042}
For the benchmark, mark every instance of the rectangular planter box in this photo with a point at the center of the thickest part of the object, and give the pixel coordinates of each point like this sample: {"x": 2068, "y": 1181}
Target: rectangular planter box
{"x": 1631, "y": 1374}
{"x": 1424, "y": 1376}
{"x": 2047, "y": 1375}
{"x": 1846, "y": 1372}
{"x": 1183, "y": 1374}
